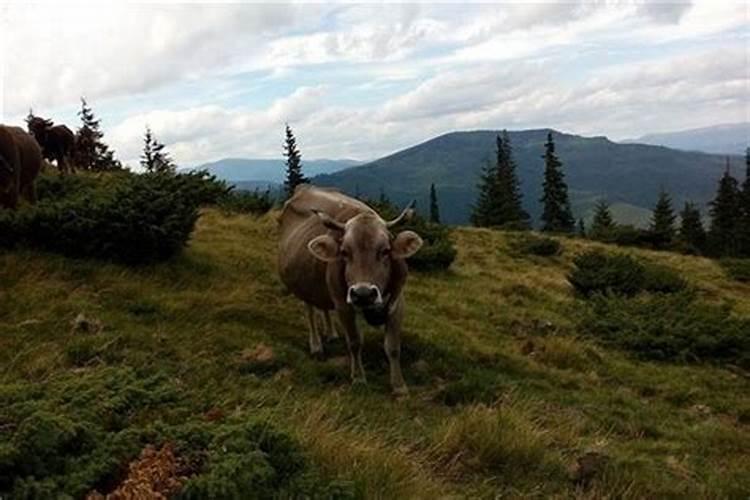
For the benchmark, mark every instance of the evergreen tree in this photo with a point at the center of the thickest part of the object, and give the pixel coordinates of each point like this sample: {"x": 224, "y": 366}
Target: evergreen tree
{"x": 484, "y": 211}
{"x": 92, "y": 153}
{"x": 581, "y": 228}
{"x": 691, "y": 227}
{"x": 154, "y": 159}
{"x": 434, "y": 208}
{"x": 602, "y": 223}
{"x": 294, "y": 175}
{"x": 510, "y": 205}
{"x": 662, "y": 220}
{"x": 723, "y": 234}
{"x": 745, "y": 209}
{"x": 556, "y": 215}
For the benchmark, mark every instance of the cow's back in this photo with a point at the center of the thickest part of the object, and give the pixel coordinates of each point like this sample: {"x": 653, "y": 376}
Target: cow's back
{"x": 301, "y": 272}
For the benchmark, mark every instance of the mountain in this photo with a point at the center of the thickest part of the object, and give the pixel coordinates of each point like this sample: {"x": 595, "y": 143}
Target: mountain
{"x": 269, "y": 170}
{"x": 730, "y": 138}
{"x": 628, "y": 175}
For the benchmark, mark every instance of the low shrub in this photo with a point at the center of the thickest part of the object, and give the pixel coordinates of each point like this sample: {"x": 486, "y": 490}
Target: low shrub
{"x": 247, "y": 202}
{"x": 123, "y": 217}
{"x": 675, "y": 327}
{"x": 598, "y": 272}
{"x": 737, "y": 269}
{"x": 539, "y": 246}
{"x": 200, "y": 186}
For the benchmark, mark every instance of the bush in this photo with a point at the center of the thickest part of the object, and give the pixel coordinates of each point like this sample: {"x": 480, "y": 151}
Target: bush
{"x": 737, "y": 269}
{"x": 247, "y": 202}
{"x": 128, "y": 218}
{"x": 673, "y": 327}
{"x": 620, "y": 274}
{"x": 540, "y": 246}
{"x": 201, "y": 187}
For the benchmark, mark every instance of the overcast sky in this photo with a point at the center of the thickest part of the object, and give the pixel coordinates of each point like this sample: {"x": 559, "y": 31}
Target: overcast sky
{"x": 361, "y": 81}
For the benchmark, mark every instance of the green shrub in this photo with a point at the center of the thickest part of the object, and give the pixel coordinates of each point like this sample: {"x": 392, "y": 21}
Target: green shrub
{"x": 737, "y": 269}
{"x": 540, "y": 246}
{"x": 128, "y": 218}
{"x": 247, "y": 202}
{"x": 598, "y": 272}
{"x": 201, "y": 187}
{"x": 673, "y": 327}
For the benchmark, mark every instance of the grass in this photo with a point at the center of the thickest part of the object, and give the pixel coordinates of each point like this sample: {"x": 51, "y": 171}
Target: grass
{"x": 506, "y": 394}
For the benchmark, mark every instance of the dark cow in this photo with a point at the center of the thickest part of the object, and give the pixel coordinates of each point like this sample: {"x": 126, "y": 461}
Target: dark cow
{"x": 337, "y": 253}
{"x": 20, "y": 163}
{"x": 57, "y": 141}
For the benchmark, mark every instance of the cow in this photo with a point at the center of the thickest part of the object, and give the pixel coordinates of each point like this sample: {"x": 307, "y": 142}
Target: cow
{"x": 20, "y": 163}
{"x": 57, "y": 141}
{"x": 337, "y": 254}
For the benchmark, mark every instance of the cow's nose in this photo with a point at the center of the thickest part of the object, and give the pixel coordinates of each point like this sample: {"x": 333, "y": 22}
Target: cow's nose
{"x": 363, "y": 294}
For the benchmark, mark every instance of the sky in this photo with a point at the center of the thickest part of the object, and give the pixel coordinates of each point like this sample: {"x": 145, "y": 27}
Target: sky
{"x": 364, "y": 80}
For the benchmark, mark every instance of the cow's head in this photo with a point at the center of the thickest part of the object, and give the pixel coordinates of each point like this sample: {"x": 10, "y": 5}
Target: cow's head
{"x": 367, "y": 249}
{"x": 39, "y": 127}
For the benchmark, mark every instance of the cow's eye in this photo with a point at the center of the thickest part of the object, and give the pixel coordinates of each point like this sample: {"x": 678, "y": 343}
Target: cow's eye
{"x": 384, "y": 252}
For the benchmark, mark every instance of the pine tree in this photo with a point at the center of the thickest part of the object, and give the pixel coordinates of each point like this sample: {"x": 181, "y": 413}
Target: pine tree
{"x": 154, "y": 158}
{"x": 294, "y": 175}
{"x": 434, "y": 208}
{"x": 91, "y": 151}
{"x": 745, "y": 209}
{"x": 723, "y": 234}
{"x": 556, "y": 215}
{"x": 691, "y": 228}
{"x": 484, "y": 211}
{"x": 581, "y": 228}
{"x": 662, "y": 221}
{"x": 510, "y": 205}
{"x": 602, "y": 223}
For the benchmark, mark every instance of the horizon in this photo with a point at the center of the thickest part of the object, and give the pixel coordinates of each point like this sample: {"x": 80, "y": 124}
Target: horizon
{"x": 359, "y": 81}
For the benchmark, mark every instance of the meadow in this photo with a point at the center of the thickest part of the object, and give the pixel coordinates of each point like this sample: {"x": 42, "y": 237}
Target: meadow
{"x": 206, "y": 352}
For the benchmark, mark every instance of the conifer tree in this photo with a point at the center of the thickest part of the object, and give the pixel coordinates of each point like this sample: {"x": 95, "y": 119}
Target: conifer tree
{"x": 556, "y": 214}
{"x": 723, "y": 234}
{"x": 510, "y": 204}
{"x": 602, "y": 223}
{"x": 484, "y": 211}
{"x": 691, "y": 227}
{"x": 745, "y": 209}
{"x": 154, "y": 159}
{"x": 294, "y": 175}
{"x": 662, "y": 220}
{"x": 92, "y": 153}
{"x": 434, "y": 208}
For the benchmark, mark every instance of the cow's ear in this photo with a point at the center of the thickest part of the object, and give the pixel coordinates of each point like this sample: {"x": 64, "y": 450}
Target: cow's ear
{"x": 406, "y": 244}
{"x": 324, "y": 247}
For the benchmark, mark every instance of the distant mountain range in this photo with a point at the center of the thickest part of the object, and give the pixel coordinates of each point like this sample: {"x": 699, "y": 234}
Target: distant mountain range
{"x": 269, "y": 171}
{"x": 629, "y": 176}
{"x": 730, "y": 138}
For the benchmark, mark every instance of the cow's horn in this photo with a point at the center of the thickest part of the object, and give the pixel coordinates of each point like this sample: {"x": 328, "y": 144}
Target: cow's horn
{"x": 407, "y": 214}
{"x": 328, "y": 221}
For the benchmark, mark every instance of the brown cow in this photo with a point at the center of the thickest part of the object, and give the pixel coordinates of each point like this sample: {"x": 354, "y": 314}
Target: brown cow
{"x": 337, "y": 253}
{"x": 20, "y": 163}
{"x": 57, "y": 141}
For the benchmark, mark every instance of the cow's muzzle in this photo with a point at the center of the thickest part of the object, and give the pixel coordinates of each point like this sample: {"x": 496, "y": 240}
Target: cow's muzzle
{"x": 364, "y": 295}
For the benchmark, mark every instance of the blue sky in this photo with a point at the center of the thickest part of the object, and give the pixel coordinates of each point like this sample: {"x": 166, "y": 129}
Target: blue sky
{"x": 363, "y": 80}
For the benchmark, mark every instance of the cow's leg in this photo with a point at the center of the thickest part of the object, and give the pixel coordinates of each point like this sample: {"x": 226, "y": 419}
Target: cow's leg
{"x": 330, "y": 328}
{"x": 316, "y": 346}
{"x": 392, "y": 347}
{"x": 353, "y": 343}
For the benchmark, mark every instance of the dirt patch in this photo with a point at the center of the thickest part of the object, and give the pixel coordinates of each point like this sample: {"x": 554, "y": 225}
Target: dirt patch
{"x": 156, "y": 474}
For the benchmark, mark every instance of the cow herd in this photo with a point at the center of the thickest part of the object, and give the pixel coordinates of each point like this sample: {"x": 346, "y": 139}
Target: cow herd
{"x": 22, "y": 154}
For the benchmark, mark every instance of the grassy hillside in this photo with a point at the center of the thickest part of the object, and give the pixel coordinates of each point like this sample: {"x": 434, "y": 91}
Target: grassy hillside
{"x": 627, "y": 174}
{"x": 506, "y": 395}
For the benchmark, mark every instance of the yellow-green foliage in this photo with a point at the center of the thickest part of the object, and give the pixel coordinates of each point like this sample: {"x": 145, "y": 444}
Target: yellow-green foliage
{"x": 506, "y": 393}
